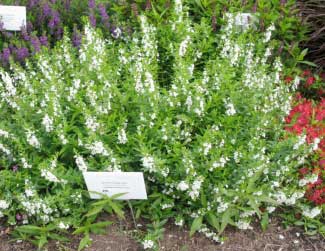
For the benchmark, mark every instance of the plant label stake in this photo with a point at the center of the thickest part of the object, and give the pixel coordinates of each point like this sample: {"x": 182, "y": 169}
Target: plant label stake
{"x": 111, "y": 183}
{"x": 13, "y": 18}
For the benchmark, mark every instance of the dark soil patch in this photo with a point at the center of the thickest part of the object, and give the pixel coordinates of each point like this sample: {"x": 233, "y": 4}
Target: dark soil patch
{"x": 121, "y": 237}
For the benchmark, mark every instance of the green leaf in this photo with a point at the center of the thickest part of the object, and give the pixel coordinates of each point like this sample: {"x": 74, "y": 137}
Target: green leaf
{"x": 81, "y": 230}
{"x": 226, "y": 219}
{"x": 299, "y": 223}
{"x": 213, "y": 221}
{"x": 41, "y": 242}
{"x": 138, "y": 213}
{"x": 101, "y": 224}
{"x": 58, "y": 237}
{"x": 307, "y": 63}
{"x": 29, "y": 229}
{"x": 197, "y": 223}
{"x": 322, "y": 229}
{"x": 265, "y": 221}
{"x": 94, "y": 211}
{"x": 303, "y": 54}
{"x": 115, "y": 196}
{"x": 116, "y": 208}
{"x": 84, "y": 242}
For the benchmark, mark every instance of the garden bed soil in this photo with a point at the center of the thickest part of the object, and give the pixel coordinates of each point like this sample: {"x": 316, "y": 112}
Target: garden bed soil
{"x": 120, "y": 237}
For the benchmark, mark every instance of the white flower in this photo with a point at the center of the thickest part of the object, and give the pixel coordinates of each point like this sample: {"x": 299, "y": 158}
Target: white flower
{"x": 179, "y": 222}
{"x": 237, "y": 156}
{"x": 4, "y": 149}
{"x": 221, "y": 163}
{"x": 4, "y": 204}
{"x": 230, "y": 108}
{"x": 47, "y": 122}
{"x": 268, "y": 33}
{"x": 149, "y": 82}
{"x": 311, "y": 213}
{"x": 207, "y": 147}
{"x": 183, "y": 46}
{"x": 270, "y": 209}
{"x": 29, "y": 192}
{"x": 4, "y": 134}
{"x": 309, "y": 179}
{"x": 195, "y": 188}
{"x": 165, "y": 206}
{"x": 25, "y": 164}
{"x": 301, "y": 141}
{"x": 148, "y": 162}
{"x": 81, "y": 164}
{"x": 32, "y": 140}
{"x": 63, "y": 139}
{"x": 63, "y": 225}
{"x": 97, "y": 148}
{"x": 315, "y": 143}
{"x": 222, "y": 207}
{"x": 116, "y": 32}
{"x": 148, "y": 244}
{"x": 189, "y": 102}
{"x": 49, "y": 176}
{"x": 91, "y": 124}
{"x": 182, "y": 186}
{"x": 122, "y": 139}
{"x": 242, "y": 224}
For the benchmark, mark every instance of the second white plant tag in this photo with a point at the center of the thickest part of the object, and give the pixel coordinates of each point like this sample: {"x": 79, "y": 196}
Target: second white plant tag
{"x": 111, "y": 183}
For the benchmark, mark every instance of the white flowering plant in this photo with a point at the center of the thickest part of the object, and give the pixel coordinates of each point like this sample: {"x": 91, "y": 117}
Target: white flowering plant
{"x": 201, "y": 114}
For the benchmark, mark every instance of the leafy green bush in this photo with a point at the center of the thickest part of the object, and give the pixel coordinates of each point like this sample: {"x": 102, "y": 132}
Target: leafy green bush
{"x": 199, "y": 113}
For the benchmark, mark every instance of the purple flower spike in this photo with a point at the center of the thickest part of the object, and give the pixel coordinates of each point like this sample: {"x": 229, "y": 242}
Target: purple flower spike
{"x": 55, "y": 20}
{"x": 6, "y": 54}
{"x": 36, "y": 44}
{"x": 43, "y": 40}
{"x": 29, "y": 27}
{"x": 24, "y": 34}
{"x": 22, "y": 54}
{"x": 91, "y": 4}
{"x": 67, "y": 4}
{"x": 102, "y": 12}
{"x": 32, "y": 3}
{"x": 47, "y": 10}
{"x": 76, "y": 38}
{"x": 92, "y": 19}
{"x": 59, "y": 33}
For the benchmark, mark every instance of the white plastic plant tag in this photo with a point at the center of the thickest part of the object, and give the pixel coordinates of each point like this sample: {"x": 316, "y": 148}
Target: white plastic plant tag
{"x": 244, "y": 20}
{"x": 13, "y": 17}
{"x": 111, "y": 183}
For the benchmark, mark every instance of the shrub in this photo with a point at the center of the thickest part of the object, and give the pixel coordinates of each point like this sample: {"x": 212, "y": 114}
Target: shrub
{"x": 313, "y": 14}
{"x": 308, "y": 117}
{"x": 199, "y": 113}
{"x": 46, "y": 20}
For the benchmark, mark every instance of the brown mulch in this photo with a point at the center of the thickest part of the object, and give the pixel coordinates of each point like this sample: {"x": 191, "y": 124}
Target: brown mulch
{"x": 120, "y": 237}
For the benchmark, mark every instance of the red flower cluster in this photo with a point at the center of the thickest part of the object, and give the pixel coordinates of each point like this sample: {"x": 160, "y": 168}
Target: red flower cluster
{"x": 309, "y": 117}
